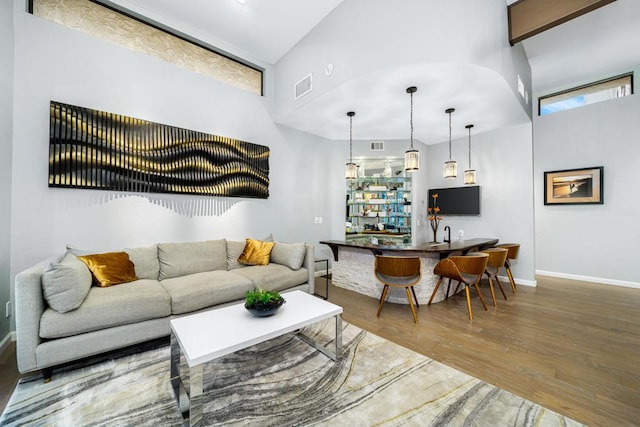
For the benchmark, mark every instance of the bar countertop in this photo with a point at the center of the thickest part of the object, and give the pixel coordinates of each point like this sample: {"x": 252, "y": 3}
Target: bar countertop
{"x": 442, "y": 249}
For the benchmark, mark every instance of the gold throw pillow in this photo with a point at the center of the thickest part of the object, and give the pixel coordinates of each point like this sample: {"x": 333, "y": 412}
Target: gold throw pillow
{"x": 110, "y": 268}
{"x": 256, "y": 252}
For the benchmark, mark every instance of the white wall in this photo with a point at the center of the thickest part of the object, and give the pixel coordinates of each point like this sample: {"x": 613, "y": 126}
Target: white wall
{"x": 6, "y": 115}
{"x": 591, "y": 242}
{"x": 504, "y": 164}
{"x": 56, "y": 63}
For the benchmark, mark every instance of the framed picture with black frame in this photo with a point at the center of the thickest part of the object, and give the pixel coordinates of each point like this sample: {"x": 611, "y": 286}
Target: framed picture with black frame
{"x": 574, "y": 186}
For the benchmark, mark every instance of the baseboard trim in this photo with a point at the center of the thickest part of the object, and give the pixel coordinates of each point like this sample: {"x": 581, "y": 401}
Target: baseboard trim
{"x": 532, "y": 283}
{"x": 4, "y": 344}
{"x": 601, "y": 280}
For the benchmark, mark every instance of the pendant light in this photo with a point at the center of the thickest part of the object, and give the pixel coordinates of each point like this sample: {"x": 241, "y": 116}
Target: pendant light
{"x": 351, "y": 171}
{"x": 450, "y": 166}
{"x": 469, "y": 174}
{"x": 411, "y": 156}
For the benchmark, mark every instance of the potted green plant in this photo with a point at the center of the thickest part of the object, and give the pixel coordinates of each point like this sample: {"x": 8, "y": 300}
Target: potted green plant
{"x": 261, "y": 302}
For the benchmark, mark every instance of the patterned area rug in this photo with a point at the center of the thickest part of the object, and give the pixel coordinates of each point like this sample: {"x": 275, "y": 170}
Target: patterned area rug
{"x": 283, "y": 382}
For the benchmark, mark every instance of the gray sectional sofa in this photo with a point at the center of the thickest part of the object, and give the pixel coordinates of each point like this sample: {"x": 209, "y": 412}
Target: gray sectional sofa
{"x": 173, "y": 279}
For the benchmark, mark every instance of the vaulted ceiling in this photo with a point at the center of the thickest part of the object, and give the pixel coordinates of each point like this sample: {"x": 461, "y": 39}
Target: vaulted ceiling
{"x": 601, "y": 43}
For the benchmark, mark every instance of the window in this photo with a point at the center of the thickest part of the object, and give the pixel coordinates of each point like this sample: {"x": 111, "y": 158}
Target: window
{"x": 603, "y": 90}
{"x": 146, "y": 37}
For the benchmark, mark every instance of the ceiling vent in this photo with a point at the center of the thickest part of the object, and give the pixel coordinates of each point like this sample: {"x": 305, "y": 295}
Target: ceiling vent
{"x": 304, "y": 86}
{"x": 377, "y": 145}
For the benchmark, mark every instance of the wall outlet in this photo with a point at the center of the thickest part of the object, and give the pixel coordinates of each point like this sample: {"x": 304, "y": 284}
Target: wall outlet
{"x": 317, "y": 220}
{"x": 7, "y": 309}
{"x": 460, "y": 234}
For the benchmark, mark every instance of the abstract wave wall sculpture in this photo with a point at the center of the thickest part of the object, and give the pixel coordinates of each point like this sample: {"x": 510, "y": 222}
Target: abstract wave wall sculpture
{"x": 99, "y": 150}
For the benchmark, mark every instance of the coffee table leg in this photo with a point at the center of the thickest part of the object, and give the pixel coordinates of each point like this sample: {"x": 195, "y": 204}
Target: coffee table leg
{"x": 338, "y": 336}
{"x": 189, "y": 404}
{"x": 176, "y": 382}
{"x": 324, "y": 350}
{"x": 195, "y": 396}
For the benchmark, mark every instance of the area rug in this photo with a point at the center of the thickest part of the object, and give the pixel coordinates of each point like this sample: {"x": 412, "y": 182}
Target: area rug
{"x": 282, "y": 382}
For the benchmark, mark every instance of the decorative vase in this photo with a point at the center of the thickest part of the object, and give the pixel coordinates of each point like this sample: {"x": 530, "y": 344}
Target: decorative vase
{"x": 435, "y": 234}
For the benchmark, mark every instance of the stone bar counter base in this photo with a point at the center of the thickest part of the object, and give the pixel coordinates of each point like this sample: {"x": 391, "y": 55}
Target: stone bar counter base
{"x": 354, "y": 271}
{"x": 352, "y": 268}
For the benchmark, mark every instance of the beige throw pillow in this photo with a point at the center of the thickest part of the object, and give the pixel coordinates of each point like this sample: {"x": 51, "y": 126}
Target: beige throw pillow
{"x": 289, "y": 254}
{"x": 65, "y": 284}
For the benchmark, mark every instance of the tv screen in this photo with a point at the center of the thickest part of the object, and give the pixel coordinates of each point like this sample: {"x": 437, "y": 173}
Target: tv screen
{"x": 457, "y": 200}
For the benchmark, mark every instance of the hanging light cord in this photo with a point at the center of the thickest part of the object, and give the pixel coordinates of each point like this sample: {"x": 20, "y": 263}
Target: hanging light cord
{"x": 411, "y": 120}
{"x": 449, "y": 135}
{"x": 350, "y": 139}
{"x": 469, "y": 127}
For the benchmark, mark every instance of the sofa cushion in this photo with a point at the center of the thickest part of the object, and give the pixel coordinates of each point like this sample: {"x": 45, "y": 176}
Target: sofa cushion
{"x": 256, "y": 252}
{"x": 111, "y": 268}
{"x": 107, "y": 307}
{"x": 145, "y": 259}
{"x": 65, "y": 284}
{"x": 234, "y": 250}
{"x": 201, "y": 290}
{"x": 181, "y": 259}
{"x": 274, "y": 277}
{"x": 289, "y": 254}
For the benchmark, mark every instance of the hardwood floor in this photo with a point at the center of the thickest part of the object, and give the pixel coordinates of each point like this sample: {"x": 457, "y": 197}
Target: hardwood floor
{"x": 8, "y": 374}
{"x": 572, "y": 347}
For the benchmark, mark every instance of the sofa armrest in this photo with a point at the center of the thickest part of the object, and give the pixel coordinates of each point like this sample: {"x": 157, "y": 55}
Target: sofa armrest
{"x": 30, "y": 305}
{"x": 310, "y": 265}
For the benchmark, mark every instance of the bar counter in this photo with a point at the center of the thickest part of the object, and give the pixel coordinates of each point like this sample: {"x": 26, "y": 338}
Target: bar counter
{"x": 353, "y": 265}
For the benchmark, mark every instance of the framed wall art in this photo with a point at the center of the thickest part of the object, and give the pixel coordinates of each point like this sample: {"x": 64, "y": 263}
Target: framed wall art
{"x": 574, "y": 186}
{"x": 98, "y": 150}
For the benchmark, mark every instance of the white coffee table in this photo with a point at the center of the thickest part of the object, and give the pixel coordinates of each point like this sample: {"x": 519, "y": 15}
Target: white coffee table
{"x": 205, "y": 336}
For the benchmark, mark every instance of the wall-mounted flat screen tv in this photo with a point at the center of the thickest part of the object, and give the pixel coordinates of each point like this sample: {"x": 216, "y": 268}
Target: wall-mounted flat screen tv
{"x": 457, "y": 200}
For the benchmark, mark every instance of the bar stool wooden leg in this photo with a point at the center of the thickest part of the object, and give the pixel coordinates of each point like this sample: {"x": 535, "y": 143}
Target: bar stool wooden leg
{"x": 466, "y": 290}
{"x": 413, "y": 309}
{"x": 433, "y": 294}
{"x": 493, "y": 293}
{"x": 382, "y": 298}
{"x": 513, "y": 283}
{"x": 500, "y": 286}
{"x": 448, "y": 289}
{"x": 413, "y": 291}
{"x": 480, "y": 296}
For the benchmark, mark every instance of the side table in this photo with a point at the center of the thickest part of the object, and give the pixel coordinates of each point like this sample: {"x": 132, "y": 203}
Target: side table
{"x": 326, "y": 277}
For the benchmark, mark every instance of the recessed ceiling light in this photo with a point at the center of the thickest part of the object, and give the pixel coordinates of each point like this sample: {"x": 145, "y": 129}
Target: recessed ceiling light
{"x": 242, "y": 1}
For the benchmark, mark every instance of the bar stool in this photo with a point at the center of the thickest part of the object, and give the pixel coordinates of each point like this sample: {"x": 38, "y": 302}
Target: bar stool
{"x": 467, "y": 269}
{"x": 402, "y": 272}
{"x": 497, "y": 258}
{"x": 513, "y": 249}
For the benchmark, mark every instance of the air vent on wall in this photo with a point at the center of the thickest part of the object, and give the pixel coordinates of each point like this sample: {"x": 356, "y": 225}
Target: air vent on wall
{"x": 304, "y": 86}
{"x": 377, "y": 146}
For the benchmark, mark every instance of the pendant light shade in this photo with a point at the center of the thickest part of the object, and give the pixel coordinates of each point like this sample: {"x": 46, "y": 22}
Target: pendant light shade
{"x": 411, "y": 156}
{"x": 469, "y": 174}
{"x": 450, "y": 166}
{"x": 351, "y": 171}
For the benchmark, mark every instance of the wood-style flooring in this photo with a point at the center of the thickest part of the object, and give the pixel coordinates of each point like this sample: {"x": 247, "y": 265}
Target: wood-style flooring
{"x": 572, "y": 347}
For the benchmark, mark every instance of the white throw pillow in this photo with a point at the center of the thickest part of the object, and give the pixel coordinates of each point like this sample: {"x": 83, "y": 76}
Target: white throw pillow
{"x": 66, "y": 283}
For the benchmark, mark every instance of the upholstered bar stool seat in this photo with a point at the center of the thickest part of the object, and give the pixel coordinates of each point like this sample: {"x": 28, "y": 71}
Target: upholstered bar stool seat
{"x": 401, "y": 272}
{"x": 467, "y": 270}
{"x": 497, "y": 258}
{"x": 513, "y": 249}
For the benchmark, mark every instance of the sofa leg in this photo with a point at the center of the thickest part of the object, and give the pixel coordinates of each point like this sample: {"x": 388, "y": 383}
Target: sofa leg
{"x": 46, "y": 374}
